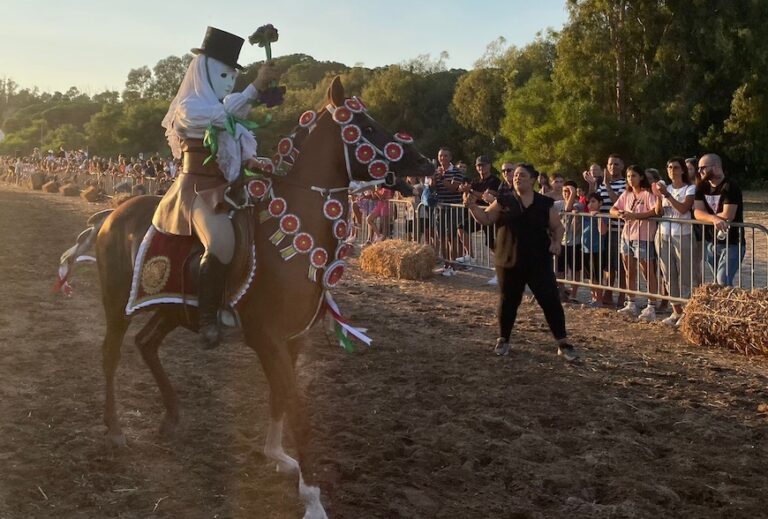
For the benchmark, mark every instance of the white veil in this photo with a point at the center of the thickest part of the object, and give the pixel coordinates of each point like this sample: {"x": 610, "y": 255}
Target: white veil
{"x": 194, "y": 108}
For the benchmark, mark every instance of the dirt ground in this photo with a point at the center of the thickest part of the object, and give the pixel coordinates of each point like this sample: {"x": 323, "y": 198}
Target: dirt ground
{"x": 426, "y": 423}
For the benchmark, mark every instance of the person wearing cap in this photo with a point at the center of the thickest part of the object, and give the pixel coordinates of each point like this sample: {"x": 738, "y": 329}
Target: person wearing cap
{"x": 194, "y": 204}
{"x": 486, "y": 183}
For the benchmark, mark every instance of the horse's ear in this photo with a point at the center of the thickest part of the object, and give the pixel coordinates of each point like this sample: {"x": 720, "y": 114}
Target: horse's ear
{"x": 336, "y": 92}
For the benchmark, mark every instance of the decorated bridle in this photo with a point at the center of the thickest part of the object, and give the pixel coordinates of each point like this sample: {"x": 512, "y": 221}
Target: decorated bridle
{"x": 376, "y": 160}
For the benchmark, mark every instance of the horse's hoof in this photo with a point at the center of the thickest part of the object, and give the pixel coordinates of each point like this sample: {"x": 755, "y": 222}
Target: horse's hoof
{"x": 115, "y": 441}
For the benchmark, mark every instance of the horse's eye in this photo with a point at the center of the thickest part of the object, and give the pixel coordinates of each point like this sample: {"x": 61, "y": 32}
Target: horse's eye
{"x": 223, "y": 74}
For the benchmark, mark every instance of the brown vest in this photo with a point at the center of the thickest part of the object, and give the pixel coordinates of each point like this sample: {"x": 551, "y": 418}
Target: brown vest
{"x": 174, "y": 213}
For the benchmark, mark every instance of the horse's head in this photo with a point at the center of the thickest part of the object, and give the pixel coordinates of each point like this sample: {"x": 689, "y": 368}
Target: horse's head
{"x": 371, "y": 151}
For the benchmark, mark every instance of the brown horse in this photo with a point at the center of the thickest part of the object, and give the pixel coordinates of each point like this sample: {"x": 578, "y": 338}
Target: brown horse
{"x": 282, "y": 303}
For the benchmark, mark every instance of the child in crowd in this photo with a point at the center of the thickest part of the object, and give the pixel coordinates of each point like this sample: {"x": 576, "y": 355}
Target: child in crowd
{"x": 593, "y": 231}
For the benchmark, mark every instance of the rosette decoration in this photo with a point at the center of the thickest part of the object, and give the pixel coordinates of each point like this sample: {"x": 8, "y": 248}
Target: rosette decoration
{"x": 318, "y": 258}
{"x": 289, "y": 225}
{"x": 302, "y": 244}
{"x": 275, "y": 209}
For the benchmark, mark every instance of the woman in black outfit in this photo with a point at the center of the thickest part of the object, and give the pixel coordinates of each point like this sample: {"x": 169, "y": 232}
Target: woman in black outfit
{"x": 529, "y": 233}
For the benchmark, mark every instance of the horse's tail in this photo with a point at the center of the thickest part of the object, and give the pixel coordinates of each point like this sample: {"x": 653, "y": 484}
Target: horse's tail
{"x": 78, "y": 252}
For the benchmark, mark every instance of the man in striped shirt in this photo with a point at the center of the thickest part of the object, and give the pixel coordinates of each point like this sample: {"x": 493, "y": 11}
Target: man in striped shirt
{"x": 610, "y": 187}
{"x": 446, "y": 183}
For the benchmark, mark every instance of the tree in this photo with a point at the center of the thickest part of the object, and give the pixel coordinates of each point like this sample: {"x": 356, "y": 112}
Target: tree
{"x": 168, "y": 74}
{"x": 138, "y": 84}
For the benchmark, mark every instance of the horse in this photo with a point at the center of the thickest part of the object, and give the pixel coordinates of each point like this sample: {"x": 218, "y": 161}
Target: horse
{"x": 338, "y": 144}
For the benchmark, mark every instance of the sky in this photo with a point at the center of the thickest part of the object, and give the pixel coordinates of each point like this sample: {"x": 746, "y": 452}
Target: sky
{"x": 92, "y": 45}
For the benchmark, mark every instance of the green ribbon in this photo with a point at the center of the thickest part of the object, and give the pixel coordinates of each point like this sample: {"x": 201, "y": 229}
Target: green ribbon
{"x": 211, "y": 137}
{"x": 345, "y": 342}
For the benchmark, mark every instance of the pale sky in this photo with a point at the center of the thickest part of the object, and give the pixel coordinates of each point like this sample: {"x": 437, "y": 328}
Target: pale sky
{"x": 90, "y": 44}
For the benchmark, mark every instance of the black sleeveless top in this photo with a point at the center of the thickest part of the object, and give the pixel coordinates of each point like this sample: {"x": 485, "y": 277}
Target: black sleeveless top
{"x": 529, "y": 225}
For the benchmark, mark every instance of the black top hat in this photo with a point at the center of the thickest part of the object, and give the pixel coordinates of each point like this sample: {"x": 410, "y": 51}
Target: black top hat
{"x": 221, "y": 45}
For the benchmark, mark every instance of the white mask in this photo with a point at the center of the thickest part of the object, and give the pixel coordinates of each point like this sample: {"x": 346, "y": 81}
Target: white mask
{"x": 221, "y": 77}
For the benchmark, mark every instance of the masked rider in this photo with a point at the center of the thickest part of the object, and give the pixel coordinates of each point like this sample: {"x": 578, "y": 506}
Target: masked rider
{"x": 195, "y": 202}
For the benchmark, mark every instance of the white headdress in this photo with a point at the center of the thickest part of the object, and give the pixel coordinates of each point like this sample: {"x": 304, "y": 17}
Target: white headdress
{"x": 194, "y": 108}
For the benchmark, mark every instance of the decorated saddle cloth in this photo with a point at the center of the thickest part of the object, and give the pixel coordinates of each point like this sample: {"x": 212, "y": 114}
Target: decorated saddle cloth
{"x": 166, "y": 268}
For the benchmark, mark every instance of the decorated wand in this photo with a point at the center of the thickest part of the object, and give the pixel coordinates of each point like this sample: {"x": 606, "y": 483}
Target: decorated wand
{"x": 264, "y": 37}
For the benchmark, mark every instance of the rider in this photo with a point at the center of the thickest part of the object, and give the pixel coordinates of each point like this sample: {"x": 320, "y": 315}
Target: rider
{"x": 204, "y": 107}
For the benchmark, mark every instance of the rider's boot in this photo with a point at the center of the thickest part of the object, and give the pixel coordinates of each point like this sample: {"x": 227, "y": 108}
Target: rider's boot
{"x": 210, "y": 289}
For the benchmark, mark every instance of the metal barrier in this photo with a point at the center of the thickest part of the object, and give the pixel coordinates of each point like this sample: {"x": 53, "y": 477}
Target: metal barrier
{"x": 665, "y": 259}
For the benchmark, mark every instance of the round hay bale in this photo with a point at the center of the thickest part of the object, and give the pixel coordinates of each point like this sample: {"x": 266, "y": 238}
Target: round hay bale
{"x": 70, "y": 190}
{"x": 119, "y": 199}
{"x": 398, "y": 259}
{"x": 90, "y": 194}
{"x": 36, "y": 181}
{"x": 51, "y": 187}
{"x": 727, "y": 317}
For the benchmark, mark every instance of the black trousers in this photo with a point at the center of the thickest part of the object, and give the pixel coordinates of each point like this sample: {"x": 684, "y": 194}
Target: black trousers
{"x": 540, "y": 277}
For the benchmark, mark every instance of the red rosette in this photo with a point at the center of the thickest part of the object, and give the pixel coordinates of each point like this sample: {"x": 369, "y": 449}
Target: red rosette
{"x": 351, "y": 134}
{"x": 365, "y": 153}
{"x": 307, "y": 119}
{"x": 354, "y": 105}
{"x": 318, "y": 258}
{"x": 303, "y": 242}
{"x": 343, "y": 251}
{"x": 333, "y": 209}
{"x": 404, "y": 137}
{"x": 343, "y": 115}
{"x": 285, "y": 146}
{"x": 290, "y": 223}
{"x": 340, "y": 229}
{"x": 277, "y": 207}
{"x": 333, "y": 274}
{"x": 277, "y": 159}
{"x": 257, "y": 188}
{"x": 360, "y": 102}
{"x": 378, "y": 169}
{"x": 394, "y": 151}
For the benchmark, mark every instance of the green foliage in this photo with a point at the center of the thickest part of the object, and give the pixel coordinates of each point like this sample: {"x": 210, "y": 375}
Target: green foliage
{"x": 648, "y": 79}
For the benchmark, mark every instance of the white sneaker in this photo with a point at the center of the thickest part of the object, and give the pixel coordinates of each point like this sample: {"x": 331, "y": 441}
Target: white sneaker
{"x": 448, "y": 272}
{"x": 465, "y": 259}
{"x": 494, "y": 281}
{"x": 648, "y": 313}
{"x": 672, "y": 320}
{"x": 630, "y": 308}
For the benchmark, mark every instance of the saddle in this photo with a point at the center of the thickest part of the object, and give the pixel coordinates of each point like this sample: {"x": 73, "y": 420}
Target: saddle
{"x": 166, "y": 267}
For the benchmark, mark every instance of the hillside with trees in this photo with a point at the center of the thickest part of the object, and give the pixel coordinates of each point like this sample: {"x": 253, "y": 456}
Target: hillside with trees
{"x": 647, "y": 79}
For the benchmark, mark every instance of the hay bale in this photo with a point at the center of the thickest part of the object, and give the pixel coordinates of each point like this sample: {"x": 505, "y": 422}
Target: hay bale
{"x": 70, "y": 190}
{"x": 51, "y": 187}
{"x": 119, "y": 199}
{"x": 36, "y": 181}
{"x": 398, "y": 259}
{"x": 90, "y": 194}
{"x": 728, "y": 317}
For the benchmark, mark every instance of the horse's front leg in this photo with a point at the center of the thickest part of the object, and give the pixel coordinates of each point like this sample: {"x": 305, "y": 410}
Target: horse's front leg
{"x": 286, "y": 401}
{"x": 273, "y": 447}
